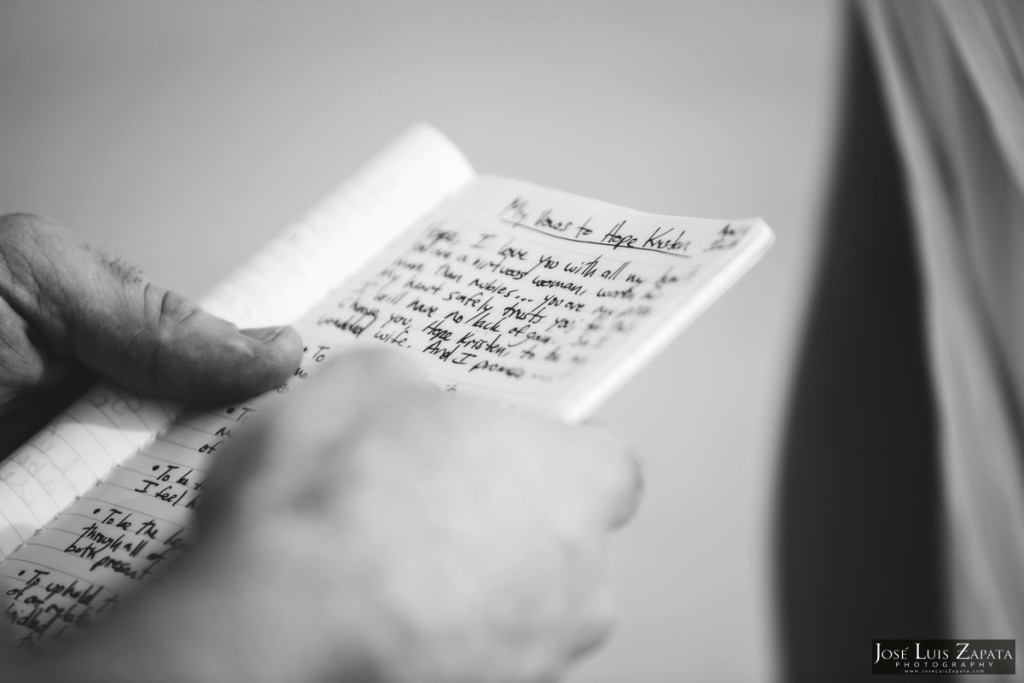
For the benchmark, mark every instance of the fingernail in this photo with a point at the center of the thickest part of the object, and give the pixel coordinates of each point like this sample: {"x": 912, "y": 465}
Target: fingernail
{"x": 265, "y": 334}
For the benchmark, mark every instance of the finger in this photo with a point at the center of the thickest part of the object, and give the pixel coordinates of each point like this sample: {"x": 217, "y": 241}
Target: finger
{"x": 368, "y": 369}
{"x": 353, "y": 389}
{"x": 24, "y": 366}
{"x": 337, "y": 402}
{"x": 106, "y": 315}
{"x": 616, "y": 475}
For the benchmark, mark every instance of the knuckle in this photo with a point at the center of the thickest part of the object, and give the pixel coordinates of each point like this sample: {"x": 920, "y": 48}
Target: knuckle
{"x": 155, "y": 306}
{"x": 632, "y": 494}
{"x": 166, "y": 310}
{"x": 163, "y": 311}
{"x": 595, "y": 623}
{"x": 619, "y": 472}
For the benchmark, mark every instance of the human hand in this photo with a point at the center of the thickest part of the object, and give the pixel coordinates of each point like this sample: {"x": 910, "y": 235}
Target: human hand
{"x": 374, "y": 529}
{"x": 369, "y": 527}
{"x": 68, "y": 311}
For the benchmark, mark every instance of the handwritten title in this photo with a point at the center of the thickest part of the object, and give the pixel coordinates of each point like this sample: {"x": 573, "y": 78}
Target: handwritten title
{"x": 671, "y": 241}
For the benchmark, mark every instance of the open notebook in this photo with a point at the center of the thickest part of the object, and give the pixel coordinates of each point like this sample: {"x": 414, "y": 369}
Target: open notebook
{"x": 537, "y": 298}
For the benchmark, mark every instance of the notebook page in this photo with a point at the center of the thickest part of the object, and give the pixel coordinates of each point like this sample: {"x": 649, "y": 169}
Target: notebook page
{"x": 59, "y": 468}
{"x": 69, "y": 455}
{"x": 535, "y": 297}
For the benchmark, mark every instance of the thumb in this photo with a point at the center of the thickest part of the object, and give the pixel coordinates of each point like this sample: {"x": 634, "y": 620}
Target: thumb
{"x": 109, "y": 317}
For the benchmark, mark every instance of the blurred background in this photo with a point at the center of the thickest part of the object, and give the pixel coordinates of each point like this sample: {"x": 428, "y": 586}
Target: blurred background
{"x": 183, "y": 135}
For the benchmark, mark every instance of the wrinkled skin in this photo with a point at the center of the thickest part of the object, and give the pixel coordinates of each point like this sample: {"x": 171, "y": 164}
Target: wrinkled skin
{"x": 68, "y": 314}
